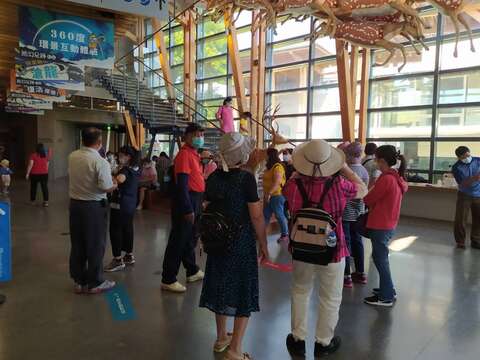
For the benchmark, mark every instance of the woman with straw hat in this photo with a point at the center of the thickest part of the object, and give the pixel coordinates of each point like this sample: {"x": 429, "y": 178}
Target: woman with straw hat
{"x": 319, "y": 164}
{"x": 230, "y": 287}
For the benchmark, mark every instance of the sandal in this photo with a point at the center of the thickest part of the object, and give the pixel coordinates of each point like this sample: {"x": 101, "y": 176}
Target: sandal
{"x": 221, "y": 346}
{"x": 230, "y": 356}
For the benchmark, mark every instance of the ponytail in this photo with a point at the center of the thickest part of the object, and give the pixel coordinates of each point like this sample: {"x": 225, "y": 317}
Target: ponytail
{"x": 403, "y": 166}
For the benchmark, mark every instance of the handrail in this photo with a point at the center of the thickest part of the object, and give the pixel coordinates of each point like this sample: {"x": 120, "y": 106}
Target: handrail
{"x": 149, "y": 37}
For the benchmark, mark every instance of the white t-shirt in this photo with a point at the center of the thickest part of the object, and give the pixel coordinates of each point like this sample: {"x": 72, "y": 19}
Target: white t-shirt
{"x": 369, "y": 163}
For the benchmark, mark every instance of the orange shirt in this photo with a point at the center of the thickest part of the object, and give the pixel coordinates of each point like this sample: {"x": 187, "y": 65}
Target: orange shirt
{"x": 188, "y": 162}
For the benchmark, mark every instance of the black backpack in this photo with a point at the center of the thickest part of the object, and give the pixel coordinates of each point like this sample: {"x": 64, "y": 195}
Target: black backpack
{"x": 218, "y": 230}
{"x": 312, "y": 234}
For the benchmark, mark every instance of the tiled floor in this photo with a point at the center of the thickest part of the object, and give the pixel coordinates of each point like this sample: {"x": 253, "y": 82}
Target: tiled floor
{"x": 437, "y": 315}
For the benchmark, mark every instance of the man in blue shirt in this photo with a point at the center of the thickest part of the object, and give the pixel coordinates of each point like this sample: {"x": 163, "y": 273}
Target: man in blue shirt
{"x": 467, "y": 173}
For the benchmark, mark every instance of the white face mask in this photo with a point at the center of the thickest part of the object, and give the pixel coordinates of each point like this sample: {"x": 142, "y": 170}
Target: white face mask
{"x": 287, "y": 157}
{"x": 467, "y": 160}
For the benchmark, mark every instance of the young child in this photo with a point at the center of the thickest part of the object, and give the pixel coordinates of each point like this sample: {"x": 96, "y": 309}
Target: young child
{"x": 123, "y": 204}
{"x": 5, "y": 173}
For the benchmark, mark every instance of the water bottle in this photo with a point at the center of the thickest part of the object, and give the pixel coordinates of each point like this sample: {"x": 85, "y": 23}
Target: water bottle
{"x": 332, "y": 239}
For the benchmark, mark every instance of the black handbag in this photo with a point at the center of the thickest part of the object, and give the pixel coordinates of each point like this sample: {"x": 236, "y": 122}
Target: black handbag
{"x": 361, "y": 225}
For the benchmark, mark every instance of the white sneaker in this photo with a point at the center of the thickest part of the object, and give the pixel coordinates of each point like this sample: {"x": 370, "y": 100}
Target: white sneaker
{"x": 197, "y": 277}
{"x": 103, "y": 287}
{"x": 175, "y": 287}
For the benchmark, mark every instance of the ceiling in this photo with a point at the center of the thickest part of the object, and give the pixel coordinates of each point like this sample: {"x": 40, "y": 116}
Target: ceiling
{"x": 125, "y": 24}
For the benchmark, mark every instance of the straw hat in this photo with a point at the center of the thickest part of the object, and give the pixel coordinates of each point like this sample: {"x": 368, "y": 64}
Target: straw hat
{"x": 317, "y": 158}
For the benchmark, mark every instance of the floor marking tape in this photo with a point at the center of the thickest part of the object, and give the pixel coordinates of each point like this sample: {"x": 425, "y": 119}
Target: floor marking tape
{"x": 120, "y": 304}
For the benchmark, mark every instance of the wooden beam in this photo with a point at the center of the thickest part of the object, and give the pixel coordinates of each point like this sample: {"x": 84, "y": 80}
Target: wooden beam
{"x": 130, "y": 132}
{"x": 234, "y": 55}
{"x": 189, "y": 68}
{"x": 353, "y": 82}
{"x": 164, "y": 58}
{"x": 262, "y": 56}
{"x": 344, "y": 86}
{"x": 131, "y": 36}
{"x": 254, "y": 66}
{"x": 364, "y": 92}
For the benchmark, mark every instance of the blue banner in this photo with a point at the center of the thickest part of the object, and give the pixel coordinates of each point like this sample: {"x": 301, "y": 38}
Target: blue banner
{"x": 72, "y": 39}
{"x": 5, "y": 243}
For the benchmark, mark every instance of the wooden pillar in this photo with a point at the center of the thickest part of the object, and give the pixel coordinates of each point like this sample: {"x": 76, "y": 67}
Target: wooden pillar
{"x": 353, "y": 80}
{"x": 345, "y": 92}
{"x": 130, "y": 131}
{"x": 189, "y": 69}
{"x": 234, "y": 56}
{"x": 262, "y": 54}
{"x": 254, "y": 67}
{"x": 364, "y": 92}
{"x": 163, "y": 57}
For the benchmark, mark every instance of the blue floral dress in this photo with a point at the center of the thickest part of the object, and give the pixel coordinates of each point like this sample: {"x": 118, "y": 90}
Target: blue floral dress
{"x": 230, "y": 286}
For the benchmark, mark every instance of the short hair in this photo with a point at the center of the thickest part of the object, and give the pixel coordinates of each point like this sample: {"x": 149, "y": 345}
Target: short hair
{"x": 461, "y": 150}
{"x": 192, "y": 128}
{"x": 227, "y": 100}
{"x": 91, "y": 136}
{"x": 370, "y": 148}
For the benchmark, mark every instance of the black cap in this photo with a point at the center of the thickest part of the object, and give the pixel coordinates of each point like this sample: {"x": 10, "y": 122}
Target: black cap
{"x": 193, "y": 127}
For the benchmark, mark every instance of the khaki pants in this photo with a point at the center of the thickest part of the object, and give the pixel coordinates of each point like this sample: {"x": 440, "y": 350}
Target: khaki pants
{"x": 465, "y": 203}
{"x": 330, "y": 297}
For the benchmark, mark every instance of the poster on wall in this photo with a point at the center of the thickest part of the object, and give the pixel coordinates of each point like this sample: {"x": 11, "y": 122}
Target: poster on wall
{"x": 49, "y": 70}
{"x": 23, "y": 110}
{"x": 27, "y": 100}
{"x": 71, "y": 39}
{"x": 149, "y": 8}
{"x": 36, "y": 89}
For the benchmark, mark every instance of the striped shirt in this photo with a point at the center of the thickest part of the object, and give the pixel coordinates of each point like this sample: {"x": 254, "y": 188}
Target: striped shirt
{"x": 335, "y": 201}
{"x": 356, "y": 207}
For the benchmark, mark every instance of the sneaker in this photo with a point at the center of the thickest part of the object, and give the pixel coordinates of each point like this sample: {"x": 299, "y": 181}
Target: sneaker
{"x": 284, "y": 238}
{"x": 107, "y": 285}
{"x": 176, "y": 287}
{"x": 197, "y": 277}
{"x": 78, "y": 289}
{"x": 129, "y": 259}
{"x": 322, "y": 350}
{"x": 376, "y": 291}
{"x": 45, "y": 204}
{"x": 461, "y": 246}
{"x": 376, "y": 301}
{"x": 221, "y": 346}
{"x": 347, "y": 282}
{"x": 359, "y": 278}
{"x": 295, "y": 347}
{"x": 115, "y": 265}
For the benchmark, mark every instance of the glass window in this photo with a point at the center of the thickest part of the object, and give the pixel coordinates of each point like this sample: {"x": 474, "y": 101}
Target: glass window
{"x": 459, "y": 87}
{"x": 417, "y": 153}
{"x": 445, "y": 153}
{"x": 212, "y": 67}
{"x": 212, "y": 46}
{"x": 154, "y": 80}
{"x": 177, "y": 36}
{"x": 177, "y": 74}
{"x": 208, "y": 27}
{"x": 325, "y": 73}
{"x": 458, "y": 122}
{"x": 396, "y": 124}
{"x": 176, "y": 55}
{"x": 290, "y": 102}
{"x": 324, "y": 46}
{"x": 209, "y": 108}
{"x": 402, "y": 92}
{"x": 244, "y": 39}
{"x": 327, "y": 127}
{"x": 466, "y": 57}
{"x": 292, "y": 127}
{"x": 244, "y": 61}
{"x": 415, "y": 63}
{"x": 246, "y": 84}
{"x": 449, "y": 28}
{"x": 245, "y": 18}
{"x": 287, "y": 52}
{"x": 327, "y": 99}
{"x": 210, "y": 89}
{"x": 292, "y": 77}
{"x": 291, "y": 29}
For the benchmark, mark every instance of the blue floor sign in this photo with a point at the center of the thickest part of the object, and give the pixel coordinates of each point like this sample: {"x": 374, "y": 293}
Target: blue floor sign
{"x": 120, "y": 304}
{"x": 5, "y": 243}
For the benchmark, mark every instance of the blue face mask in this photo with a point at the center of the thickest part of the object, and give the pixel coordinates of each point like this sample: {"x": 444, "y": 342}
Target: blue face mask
{"x": 467, "y": 160}
{"x": 198, "y": 142}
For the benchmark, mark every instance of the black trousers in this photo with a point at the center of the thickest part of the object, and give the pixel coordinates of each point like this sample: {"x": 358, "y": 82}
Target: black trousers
{"x": 88, "y": 230}
{"x": 34, "y": 181}
{"x": 121, "y": 232}
{"x": 181, "y": 243}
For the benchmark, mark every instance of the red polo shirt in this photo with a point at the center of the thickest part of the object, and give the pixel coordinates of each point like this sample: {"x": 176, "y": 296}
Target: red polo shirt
{"x": 188, "y": 162}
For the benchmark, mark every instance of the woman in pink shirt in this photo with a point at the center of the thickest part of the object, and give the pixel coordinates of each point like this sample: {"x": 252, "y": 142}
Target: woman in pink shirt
{"x": 384, "y": 201}
{"x": 37, "y": 172}
{"x": 225, "y": 116}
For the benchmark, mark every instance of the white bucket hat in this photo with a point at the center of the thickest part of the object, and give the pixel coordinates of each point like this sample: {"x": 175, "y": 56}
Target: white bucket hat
{"x": 317, "y": 158}
{"x": 235, "y": 149}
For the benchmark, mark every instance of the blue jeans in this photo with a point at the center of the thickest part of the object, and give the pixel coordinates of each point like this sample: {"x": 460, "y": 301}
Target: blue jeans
{"x": 380, "y": 240}
{"x": 355, "y": 247}
{"x": 276, "y": 206}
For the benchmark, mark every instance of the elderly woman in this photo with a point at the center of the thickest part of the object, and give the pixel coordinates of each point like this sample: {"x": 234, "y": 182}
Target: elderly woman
{"x": 230, "y": 287}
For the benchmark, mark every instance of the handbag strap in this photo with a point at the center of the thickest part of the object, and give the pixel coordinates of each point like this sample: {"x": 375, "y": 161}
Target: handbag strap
{"x": 303, "y": 192}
